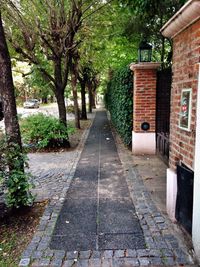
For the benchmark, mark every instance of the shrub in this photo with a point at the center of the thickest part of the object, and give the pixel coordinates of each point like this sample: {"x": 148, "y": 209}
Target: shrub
{"x": 44, "y": 131}
{"x": 15, "y": 180}
{"x": 70, "y": 109}
{"x": 119, "y": 101}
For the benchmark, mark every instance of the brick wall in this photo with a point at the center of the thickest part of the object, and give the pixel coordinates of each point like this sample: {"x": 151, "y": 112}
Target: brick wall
{"x": 186, "y": 55}
{"x": 144, "y": 99}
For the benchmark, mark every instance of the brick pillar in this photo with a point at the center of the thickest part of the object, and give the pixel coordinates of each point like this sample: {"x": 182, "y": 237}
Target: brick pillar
{"x": 144, "y": 107}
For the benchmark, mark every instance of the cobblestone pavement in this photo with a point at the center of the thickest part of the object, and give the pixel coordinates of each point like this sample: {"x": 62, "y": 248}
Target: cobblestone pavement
{"x": 53, "y": 169}
{"x": 164, "y": 246}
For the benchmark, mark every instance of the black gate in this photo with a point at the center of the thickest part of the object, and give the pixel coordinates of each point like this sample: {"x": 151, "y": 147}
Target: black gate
{"x": 164, "y": 80}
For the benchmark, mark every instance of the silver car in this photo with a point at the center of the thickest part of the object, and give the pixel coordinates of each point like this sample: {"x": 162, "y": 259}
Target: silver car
{"x": 32, "y": 103}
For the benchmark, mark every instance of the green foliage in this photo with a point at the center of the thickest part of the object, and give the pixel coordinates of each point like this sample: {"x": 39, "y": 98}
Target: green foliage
{"x": 70, "y": 109}
{"x": 44, "y": 131}
{"x": 12, "y": 162}
{"x": 144, "y": 21}
{"x": 119, "y": 101}
{"x": 40, "y": 87}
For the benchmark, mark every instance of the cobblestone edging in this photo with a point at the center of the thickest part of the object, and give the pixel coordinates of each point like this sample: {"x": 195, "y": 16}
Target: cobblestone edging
{"x": 38, "y": 248}
{"x": 163, "y": 248}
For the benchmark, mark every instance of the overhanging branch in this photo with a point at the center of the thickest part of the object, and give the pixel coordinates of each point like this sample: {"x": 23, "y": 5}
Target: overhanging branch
{"x": 96, "y": 10}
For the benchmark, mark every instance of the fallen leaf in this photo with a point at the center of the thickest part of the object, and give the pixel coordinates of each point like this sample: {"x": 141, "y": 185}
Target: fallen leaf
{"x": 148, "y": 178}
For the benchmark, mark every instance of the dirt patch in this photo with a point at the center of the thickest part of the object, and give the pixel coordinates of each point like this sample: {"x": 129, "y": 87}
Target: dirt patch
{"x": 75, "y": 138}
{"x": 16, "y": 231}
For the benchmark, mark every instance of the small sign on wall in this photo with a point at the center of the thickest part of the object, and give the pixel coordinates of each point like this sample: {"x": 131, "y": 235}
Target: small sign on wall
{"x": 185, "y": 114}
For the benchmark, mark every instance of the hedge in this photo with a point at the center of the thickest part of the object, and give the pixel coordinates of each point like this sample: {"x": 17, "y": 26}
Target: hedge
{"x": 119, "y": 101}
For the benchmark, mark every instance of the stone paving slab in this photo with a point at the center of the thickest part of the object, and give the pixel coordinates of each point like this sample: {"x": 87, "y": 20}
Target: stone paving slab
{"x": 75, "y": 241}
{"x": 118, "y": 216}
{"x": 113, "y": 191}
{"x": 80, "y": 192}
{"x": 77, "y": 216}
{"x": 121, "y": 241}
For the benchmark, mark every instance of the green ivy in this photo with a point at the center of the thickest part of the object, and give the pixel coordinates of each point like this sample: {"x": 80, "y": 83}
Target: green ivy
{"x": 119, "y": 101}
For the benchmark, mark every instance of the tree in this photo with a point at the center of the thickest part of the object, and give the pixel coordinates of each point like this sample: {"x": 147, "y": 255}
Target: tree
{"x": 74, "y": 79}
{"x": 92, "y": 84}
{"x": 48, "y": 41}
{"x": 18, "y": 193}
{"x": 8, "y": 93}
{"x": 145, "y": 20}
{"x": 41, "y": 88}
{"x": 82, "y": 77}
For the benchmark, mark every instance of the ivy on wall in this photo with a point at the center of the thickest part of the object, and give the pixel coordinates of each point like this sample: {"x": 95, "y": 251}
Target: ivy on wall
{"x": 119, "y": 101}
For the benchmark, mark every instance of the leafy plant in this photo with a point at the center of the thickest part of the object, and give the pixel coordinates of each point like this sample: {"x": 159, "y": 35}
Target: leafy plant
{"x": 44, "y": 131}
{"x": 70, "y": 109}
{"x": 12, "y": 162}
{"x": 119, "y": 101}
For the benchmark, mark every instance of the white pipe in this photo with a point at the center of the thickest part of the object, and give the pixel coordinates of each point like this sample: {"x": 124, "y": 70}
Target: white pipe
{"x": 196, "y": 199}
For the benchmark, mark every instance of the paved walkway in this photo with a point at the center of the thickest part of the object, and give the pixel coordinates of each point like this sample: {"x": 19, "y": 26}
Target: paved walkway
{"x": 104, "y": 216}
{"x": 98, "y": 212}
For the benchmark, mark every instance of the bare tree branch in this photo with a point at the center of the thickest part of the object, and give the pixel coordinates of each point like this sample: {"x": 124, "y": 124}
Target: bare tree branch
{"x": 88, "y": 7}
{"x": 22, "y": 73}
{"x": 96, "y": 10}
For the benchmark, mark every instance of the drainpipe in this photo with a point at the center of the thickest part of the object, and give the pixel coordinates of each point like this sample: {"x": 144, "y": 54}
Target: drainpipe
{"x": 196, "y": 200}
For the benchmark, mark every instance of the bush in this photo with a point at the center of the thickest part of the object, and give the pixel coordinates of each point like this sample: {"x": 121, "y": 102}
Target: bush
{"x": 70, "y": 109}
{"x": 119, "y": 101}
{"x": 14, "y": 179}
{"x": 44, "y": 131}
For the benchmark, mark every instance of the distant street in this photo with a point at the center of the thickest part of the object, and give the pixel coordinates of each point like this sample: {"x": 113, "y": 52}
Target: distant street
{"x": 50, "y": 109}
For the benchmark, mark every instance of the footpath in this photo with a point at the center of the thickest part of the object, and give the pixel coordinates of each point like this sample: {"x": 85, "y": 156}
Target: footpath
{"x": 103, "y": 214}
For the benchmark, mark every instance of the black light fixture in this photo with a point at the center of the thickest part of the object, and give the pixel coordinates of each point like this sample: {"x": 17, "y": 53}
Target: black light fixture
{"x": 145, "y": 126}
{"x": 144, "y": 52}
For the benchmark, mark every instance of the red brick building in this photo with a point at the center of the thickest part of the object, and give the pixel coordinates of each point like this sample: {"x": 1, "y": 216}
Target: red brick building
{"x": 184, "y": 29}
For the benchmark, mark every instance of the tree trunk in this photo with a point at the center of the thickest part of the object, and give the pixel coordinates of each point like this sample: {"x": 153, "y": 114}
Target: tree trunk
{"x": 83, "y": 101}
{"x": 76, "y": 109}
{"x": 7, "y": 93}
{"x": 162, "y": 52}
{"x": 62, "y": 112}
{"x": 90, "y": 96}
{"x": 51, "y": 99}
{"x": 44, "y": 100}
{"x": 61, "y": 106}
{"x": 93, "y": 99}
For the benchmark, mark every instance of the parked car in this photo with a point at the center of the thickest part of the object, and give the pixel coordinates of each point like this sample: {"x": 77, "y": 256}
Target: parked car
{"x": 32, "y": 103}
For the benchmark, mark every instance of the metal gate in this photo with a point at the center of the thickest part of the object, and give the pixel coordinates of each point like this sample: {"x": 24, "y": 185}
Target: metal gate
{"x": 184, "y": 201}
{"x": 164, "y": 80}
